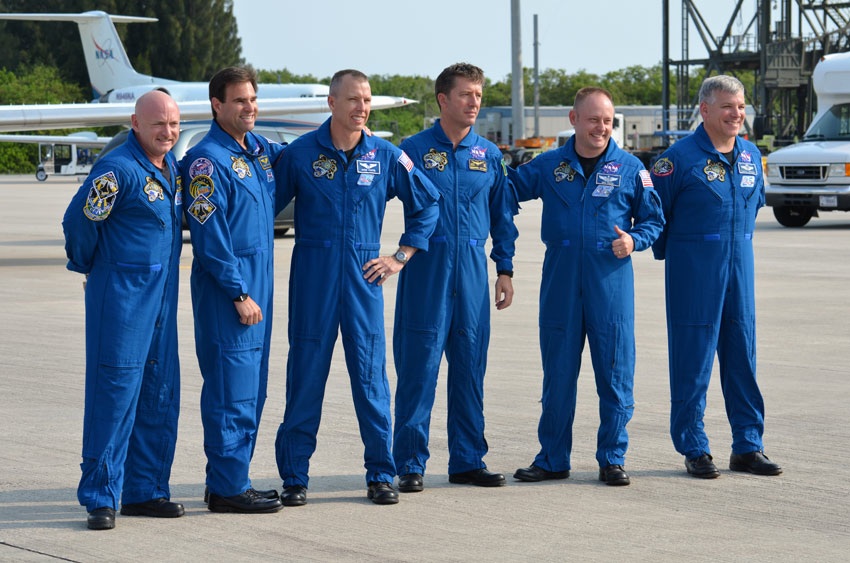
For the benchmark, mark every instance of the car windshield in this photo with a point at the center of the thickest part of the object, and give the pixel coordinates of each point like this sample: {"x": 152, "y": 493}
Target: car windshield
{"x": 831, "y": 125}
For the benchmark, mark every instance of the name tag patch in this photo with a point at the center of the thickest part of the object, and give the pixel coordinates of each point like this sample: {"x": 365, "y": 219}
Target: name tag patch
{"x": 368, "y": 167}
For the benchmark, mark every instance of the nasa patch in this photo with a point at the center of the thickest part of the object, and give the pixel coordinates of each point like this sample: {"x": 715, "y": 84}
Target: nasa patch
{"x": 478, "y": 153}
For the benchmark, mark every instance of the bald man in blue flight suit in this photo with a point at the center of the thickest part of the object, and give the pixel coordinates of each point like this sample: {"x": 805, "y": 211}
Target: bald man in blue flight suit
{"x": 711, "y": 186}
{"x": 230, "y": 215}
{"x": 341, "y": 180}
{"x": 443, "y": 304}
{"x": 122, "y": 229}
{"x": 598, "y": 207}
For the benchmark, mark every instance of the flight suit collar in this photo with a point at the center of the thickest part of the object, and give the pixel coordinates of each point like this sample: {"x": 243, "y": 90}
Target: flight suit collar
{"x": 222, "y": 137}
{"x": 704, "y": 143}
{"x": 573, "y": 159}
{"x": 142, "y": 158}
{"x": 441, "y": 136}
{"x": 323, "y": 136}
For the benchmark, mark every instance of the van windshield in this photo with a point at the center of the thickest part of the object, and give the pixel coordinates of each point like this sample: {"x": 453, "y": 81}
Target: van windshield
{"x": 831, "y": 125}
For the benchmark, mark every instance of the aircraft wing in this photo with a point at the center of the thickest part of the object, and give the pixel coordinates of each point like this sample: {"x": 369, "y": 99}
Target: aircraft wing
{"x": 79, "y": 140}
{"x": 37, "y": 117}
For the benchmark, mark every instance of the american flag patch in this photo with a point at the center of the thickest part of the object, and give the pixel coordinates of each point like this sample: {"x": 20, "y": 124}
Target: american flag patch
{"x": 405, "y": 161}
{"x": 645, "y": 179}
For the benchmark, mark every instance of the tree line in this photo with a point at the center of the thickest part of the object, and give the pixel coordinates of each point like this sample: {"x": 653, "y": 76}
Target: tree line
{"x": 42, "y": 62}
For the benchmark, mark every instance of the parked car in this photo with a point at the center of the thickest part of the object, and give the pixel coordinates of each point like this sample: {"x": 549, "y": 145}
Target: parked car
{"x": 191, "y": 134}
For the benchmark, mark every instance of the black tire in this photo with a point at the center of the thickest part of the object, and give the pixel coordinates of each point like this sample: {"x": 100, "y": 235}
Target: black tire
{"x": 40, "y": 175}
{"x": 793, "y": 216}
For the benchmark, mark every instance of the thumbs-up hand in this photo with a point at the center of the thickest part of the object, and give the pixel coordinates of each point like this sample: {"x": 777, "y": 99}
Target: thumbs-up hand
{"x": 623, "y": 245}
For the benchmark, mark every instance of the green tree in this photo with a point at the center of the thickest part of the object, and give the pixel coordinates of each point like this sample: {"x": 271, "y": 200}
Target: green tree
{"x": 41, "y": 84}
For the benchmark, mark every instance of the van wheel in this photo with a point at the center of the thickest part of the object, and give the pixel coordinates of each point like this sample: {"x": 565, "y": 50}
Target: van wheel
{"x": 40, "y": 175}
{"x": 793, "y": 216}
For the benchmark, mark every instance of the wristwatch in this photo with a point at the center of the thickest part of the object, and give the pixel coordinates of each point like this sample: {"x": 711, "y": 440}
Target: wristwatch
{"x": 241, "y": 299}
{"x": 400, "y": 256}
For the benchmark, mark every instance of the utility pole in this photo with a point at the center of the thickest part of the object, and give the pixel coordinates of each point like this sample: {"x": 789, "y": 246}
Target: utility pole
{"x": 536, "y": 84}
{"x": 517, "y": 92}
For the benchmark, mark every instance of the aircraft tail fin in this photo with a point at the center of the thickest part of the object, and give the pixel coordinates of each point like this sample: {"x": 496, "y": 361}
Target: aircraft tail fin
{"x": 106, "y": 60}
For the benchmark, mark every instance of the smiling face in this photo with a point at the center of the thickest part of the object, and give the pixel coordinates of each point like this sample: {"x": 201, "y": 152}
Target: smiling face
{"x": 237, "y": 113}
{"x": 350, "y": 103}
{"x": 156, "y": 124}
{"x": 722, "y": 116}
{"x": 593, "y": 120}
{"x": 459, "y": 108}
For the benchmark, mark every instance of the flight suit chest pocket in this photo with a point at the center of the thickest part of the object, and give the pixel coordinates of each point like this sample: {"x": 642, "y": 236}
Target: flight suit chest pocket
{"x": 711, "y": 183}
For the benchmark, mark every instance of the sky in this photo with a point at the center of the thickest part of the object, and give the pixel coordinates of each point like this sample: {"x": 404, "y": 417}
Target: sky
{"x": 424, "y": 36}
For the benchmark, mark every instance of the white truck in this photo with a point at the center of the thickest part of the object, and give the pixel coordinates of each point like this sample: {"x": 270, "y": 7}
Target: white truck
{"x": 814, "y": 174}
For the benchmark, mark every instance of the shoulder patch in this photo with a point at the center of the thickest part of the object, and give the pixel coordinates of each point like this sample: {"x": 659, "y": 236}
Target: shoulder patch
{"x": 646, "y": 179}
{"x": 202, "y": 166}
{"x": 202, "y": 185}
{"x": 405, "y": 161}
{"x": 662, "y": 167}
{"x": 101, "y": 197}
{"x": 201, "y": 209}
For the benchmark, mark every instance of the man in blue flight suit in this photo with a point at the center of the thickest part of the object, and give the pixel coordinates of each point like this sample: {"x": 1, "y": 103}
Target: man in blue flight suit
{"x": 230, "y": 212}
{"x": 711, "y": 186}
{"x": 122, "y": 229}
{"x": 341, "y": 180}
{"x": 443, "y": 300}
{"x": 598, "y": 207}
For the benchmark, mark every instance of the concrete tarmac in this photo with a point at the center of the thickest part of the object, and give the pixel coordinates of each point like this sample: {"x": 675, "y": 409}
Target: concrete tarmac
{"x": 665, "y": 515}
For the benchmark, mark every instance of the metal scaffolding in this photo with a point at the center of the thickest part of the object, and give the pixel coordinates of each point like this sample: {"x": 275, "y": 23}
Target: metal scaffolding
{"x": 780, "y": 43}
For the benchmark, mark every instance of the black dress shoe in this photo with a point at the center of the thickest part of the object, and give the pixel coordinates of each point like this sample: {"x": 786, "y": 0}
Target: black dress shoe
{"x": 382, "y": 493}
{"x": 157, "y": 508}
{"x": 532, "y": 474}
{"x": 296, "y": 495}
{"x": 754, "y": 462}
{"x": 270, "y": 493}
{"x": 702, "y": 467}
{"x": 614, "y": 475}
{"x": 480, "y": 477}
{"x": 101, "y": 519}
{"x": 249, "y": 502}
{"x": 411, "y": 483}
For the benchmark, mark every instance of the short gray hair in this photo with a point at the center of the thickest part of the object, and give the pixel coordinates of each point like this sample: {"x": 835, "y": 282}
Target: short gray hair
{"x": 719, "y": 83}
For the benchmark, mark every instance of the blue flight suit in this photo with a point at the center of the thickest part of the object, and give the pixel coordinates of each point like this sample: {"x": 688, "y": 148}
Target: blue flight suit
{"x": 122, "y": 229}
{"x": 586, "y": 291}
{"x": 230, "y": 212}
{"x": 339, "y": 210}
{"x": 711, "y": 204}
{"x": 443, "y": 299}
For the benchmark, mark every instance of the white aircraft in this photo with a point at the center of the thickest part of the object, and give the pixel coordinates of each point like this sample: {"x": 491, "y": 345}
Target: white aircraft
{"x": 299, "y": 107}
